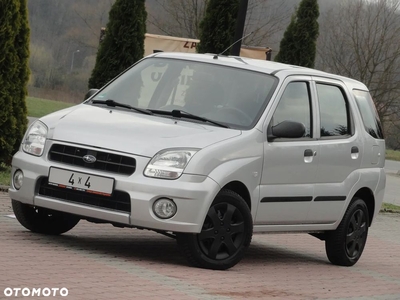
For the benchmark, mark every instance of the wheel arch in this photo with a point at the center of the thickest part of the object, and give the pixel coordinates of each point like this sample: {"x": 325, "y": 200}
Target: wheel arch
{"x": 241, "y": 189}
{"x": 368, "y": 197}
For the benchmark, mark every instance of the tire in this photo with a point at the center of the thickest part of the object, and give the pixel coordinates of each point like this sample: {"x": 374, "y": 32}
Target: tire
{"x": 345, "y": 245}
{"x": 225, "y": 236}
{"x": 42, "y": 220}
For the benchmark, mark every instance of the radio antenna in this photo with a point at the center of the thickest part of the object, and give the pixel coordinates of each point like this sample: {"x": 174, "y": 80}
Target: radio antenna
{"x": 216, "y": 55}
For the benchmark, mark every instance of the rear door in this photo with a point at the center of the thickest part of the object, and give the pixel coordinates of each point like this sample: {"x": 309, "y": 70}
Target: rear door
{"x": 340, "y": 152}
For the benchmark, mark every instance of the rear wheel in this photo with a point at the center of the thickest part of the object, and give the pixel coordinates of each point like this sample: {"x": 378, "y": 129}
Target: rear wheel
{"x": 345, "y": 245}
{"x": 225, "y": 235}
{"x": 43, "y": 220}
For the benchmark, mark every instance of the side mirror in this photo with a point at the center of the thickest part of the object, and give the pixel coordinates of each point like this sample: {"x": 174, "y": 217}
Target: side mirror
{"x": 90, "y": 93}
{"x": 287, "y": 129}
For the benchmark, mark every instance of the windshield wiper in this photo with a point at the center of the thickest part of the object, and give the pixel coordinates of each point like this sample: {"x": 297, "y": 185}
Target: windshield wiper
{"x": 184, "y": 114}
{"x": 113, "y": 103}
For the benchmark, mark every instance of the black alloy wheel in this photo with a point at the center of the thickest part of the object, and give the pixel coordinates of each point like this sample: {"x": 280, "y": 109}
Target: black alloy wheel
{"x": 356, "y": 233}
{"x": 222, "y": 232}
{"x": 225, "y": 235}
{"x": 345, "y": 245}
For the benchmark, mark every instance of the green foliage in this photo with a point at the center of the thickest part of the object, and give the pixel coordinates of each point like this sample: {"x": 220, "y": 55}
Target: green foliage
{"x": 14, "y": 73}
{"x": 22, "y": 75}
{"x": 217, "y": 29}
{"x": 299, "y": 43}
{"x": 5, "y": 173}
{"x": 123, "y": 44}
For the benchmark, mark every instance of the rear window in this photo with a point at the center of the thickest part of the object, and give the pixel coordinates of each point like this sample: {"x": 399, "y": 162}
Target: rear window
{"x": 369, "y": 114}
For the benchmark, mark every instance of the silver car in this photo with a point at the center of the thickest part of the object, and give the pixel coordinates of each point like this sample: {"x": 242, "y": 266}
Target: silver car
{"x": 210, "y": 149}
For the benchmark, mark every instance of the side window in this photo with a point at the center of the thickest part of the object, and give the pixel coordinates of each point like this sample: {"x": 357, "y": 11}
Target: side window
{"x": 334, "y": 111}
{"x": 294, "y": 105}
{"x": 369, "y": 114}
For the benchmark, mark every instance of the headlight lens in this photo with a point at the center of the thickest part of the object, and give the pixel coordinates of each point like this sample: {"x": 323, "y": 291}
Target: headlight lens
{"x": 35, "y": 139}
{"x": 169, "y": 164}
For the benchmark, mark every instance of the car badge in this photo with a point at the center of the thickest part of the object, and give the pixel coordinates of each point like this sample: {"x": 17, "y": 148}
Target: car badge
{"x": 89, "y": 159}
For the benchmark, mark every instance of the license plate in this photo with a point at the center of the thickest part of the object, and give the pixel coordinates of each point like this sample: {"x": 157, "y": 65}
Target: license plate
{"x": 81, "y": 182}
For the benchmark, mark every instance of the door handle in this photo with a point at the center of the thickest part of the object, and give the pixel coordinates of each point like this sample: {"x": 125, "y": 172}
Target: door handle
{"x": 309, "y": 155}
{"x": 354, "y": 152}
{"x": 309, "y": 152}
{"x": 354, "y": 149}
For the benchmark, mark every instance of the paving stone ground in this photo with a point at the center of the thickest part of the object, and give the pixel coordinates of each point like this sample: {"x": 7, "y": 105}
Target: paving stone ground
{"x": 102, "y": 262}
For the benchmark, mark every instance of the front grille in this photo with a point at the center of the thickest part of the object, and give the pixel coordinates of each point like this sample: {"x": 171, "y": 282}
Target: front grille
{"x": 119, "y": 201}
{"x": 106, "y": 162}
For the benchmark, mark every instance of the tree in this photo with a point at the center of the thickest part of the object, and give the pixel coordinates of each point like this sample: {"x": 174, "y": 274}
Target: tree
{"x": 21, "y": 45}
{"x": 179, "y": 18}
{"x": 217, "y": 29}
{"x": 14, "y": 37}
{"x": 363, "y": 42}
{"x": 123, "y": 44}
{"x": 299, "y": 43}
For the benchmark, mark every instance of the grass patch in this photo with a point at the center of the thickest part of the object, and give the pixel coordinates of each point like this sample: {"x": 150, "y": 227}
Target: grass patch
{"x": 393, "y": 155}
{"x": 5, "y": 172}
{"x": 388, "y": 207}
{"x": 40, "y": 107}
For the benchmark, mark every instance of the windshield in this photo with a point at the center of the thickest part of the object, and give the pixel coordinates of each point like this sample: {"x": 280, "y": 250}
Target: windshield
{"x": 228, "y": 95}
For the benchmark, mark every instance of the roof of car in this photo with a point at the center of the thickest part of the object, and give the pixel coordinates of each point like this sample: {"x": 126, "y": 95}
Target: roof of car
{"x": 265, "y": 66}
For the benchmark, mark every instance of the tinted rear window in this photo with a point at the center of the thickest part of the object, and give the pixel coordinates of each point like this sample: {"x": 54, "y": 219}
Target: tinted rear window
{"x": 369, "y": 114}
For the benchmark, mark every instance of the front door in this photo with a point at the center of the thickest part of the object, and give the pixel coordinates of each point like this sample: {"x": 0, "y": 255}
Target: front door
{"x": 290, "y": 165}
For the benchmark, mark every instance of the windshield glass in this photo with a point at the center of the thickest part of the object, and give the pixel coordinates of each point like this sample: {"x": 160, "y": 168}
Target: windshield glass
{"x": 228, "y": 95}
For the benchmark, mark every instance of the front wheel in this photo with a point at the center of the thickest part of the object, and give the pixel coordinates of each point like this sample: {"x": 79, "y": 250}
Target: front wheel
{"x": 225, "y": 236}
{"x": 345, "y": 245}
{"x": 43, "y": 220}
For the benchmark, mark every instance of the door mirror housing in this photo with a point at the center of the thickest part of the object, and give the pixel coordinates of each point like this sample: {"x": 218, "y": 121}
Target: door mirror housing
{"x": 287, "y": 129}
{"x": 90, "y": 93}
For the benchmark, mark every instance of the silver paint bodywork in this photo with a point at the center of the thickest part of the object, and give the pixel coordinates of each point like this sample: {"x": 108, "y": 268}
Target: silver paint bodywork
{"x": 246, "y": 157}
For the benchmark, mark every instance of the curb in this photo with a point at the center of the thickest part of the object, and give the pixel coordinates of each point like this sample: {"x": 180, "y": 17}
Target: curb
{"x": 4, "y": 188}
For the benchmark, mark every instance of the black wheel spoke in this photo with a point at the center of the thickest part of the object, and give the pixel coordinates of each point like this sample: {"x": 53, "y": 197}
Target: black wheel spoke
{"x": 229, "y": 214}
{"x": 350, "y": 237}
{"x": 213, "y": 215}
{"x": 353, "y": 224}
{"x": 230, "y": 246}
{"x": 215, "y": 246}
{"x": 363, "y": 229}
{"x": 351, "y": 247}
{"x": 237, "y": 228}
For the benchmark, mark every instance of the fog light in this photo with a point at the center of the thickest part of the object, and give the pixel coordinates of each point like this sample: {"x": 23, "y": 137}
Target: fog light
{"x": 18, "y": 179}
{"x": 164, "y": 208}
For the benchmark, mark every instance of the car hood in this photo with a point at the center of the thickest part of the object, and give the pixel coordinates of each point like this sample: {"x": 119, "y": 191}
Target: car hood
{"x": 129, "y": 131}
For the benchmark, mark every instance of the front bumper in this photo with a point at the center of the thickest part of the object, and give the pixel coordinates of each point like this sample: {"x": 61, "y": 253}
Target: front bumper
{"x": 193, "y": 195}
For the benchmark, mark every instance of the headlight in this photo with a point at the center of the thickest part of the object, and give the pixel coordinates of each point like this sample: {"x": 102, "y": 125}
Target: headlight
{"x": 169, "y": 164}
{"x": 35, "y": 139}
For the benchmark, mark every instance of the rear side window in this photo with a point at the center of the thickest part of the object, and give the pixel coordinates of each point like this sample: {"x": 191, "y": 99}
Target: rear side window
{"x": 334, "y": 112}
{"x": 369, "y": 114}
